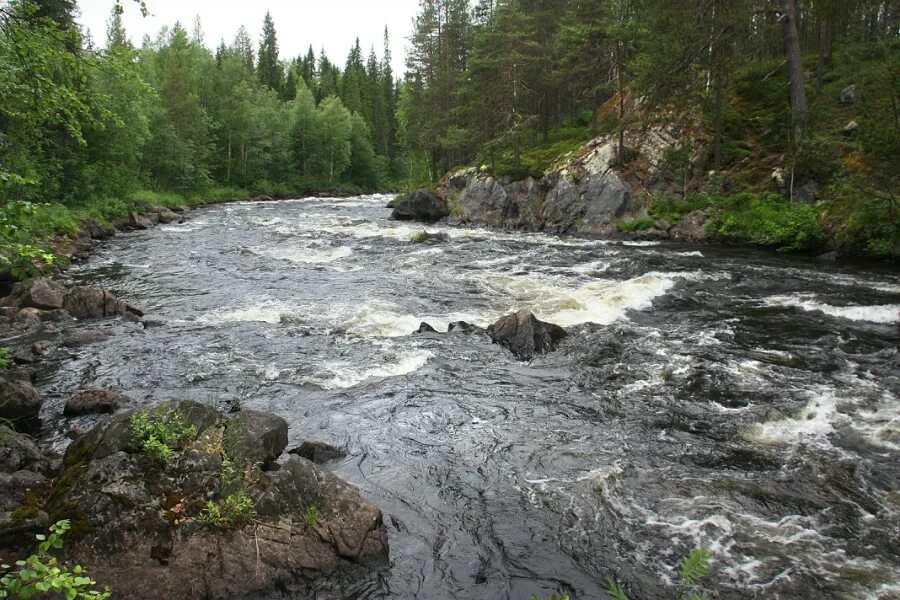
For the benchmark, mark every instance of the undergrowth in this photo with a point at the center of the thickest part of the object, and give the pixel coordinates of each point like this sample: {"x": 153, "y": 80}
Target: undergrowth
{"x": 42, "y": 574}
{"x": 156, "y": 433}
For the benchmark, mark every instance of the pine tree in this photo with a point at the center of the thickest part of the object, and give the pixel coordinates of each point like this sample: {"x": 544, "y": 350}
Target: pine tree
{"x": 115, "y": 31}
{"x": 269, "y": 69}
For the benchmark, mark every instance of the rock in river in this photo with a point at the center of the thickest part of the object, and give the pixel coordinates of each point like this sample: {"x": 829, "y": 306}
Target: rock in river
{"x": 422, "y": 205}
{"x": 140, "y": 522}
{"x": 525, "y": 336}
{"x": 93, "y": 400}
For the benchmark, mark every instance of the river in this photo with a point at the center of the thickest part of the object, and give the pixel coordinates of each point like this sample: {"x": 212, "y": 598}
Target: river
{"x": 732, "y": 399}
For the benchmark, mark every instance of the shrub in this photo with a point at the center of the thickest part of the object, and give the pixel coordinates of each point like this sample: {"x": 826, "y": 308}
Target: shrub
{"x": 155, "y": 433}
{"x": 42, "y": 574}
{"x": 231, "y": 511}
{"x": 639, "y": 224}
{"x": 766, "y": 220}
{"x": 6, "y": 359}
{"x": 235, "y": 506}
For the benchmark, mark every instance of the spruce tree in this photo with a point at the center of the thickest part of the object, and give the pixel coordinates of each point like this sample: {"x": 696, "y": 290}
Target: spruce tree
{"x": 269, "y": 70}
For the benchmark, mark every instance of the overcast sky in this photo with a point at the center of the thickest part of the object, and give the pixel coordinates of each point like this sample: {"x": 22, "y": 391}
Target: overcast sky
{"x": 329, "y": 24}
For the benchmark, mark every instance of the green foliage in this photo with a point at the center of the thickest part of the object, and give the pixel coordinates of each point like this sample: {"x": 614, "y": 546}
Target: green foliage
{"x": 860, "y": 217}
{"x": 233, "y": 510}
{"x": 311, "y": 518}
{"x": 615, "y": 590}
{"x": 639, "y": 224}
{"x": 234, "y": 507}
{"x": 666, "y": 206}
{"x": 6, "y": 359}
{"x": 157, "y": 432}
{"x": 695, "y": 566}
{"x": 41, "y": 574}
{"x": 766, "y": 220}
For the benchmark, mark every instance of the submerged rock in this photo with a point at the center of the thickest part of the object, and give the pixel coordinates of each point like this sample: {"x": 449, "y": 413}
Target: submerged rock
{"x": 421, "y": 205}
{"x": 140, "y": 522}
{"x": 318, "y": 452}
{"x": 463, "y": 327}
{"x": 525, "y": 336}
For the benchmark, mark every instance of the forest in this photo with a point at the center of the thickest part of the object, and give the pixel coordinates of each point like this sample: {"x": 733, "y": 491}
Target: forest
{"x": 88, "y": 126}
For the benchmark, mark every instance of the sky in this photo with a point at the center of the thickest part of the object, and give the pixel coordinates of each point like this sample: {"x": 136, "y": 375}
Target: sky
{"x": 330, "y": 24}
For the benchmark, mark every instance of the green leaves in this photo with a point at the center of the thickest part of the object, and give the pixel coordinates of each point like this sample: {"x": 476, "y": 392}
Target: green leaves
{"x": 155, "y": 433}
{"x": 695, "y": 566}
{"x": 615, "y": 590}
{"x": 41, "y": 573}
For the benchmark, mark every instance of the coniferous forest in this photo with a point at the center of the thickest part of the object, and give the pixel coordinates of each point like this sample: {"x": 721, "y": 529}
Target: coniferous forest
{"x": 806, "y": 86}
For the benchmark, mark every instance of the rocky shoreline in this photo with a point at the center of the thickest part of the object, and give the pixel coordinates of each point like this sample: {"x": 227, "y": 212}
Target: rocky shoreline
{"x": 143, "y": 526}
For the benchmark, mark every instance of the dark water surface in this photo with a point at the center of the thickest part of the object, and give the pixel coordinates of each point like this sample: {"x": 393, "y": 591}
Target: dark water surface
{"x": 740, "y": 401}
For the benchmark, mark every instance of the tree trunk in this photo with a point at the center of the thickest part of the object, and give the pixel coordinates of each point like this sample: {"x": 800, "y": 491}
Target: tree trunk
{"x": 620, "y": 150}
{"x": 821, "y": 49}
{"x": 717, "y": 144}
{"x": 795, "y": 68}
{"x": 228, "y": 164}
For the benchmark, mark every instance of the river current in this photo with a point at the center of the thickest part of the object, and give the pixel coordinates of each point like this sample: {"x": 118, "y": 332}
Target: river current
{"x": 736, "y": 400}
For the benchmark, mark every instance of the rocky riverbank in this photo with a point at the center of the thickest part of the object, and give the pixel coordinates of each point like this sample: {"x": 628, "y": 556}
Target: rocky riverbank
{"x": 206, "y": 505}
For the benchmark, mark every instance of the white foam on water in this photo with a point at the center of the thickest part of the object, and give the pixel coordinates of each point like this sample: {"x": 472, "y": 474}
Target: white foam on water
{"x": 186, "y": 227}
{"x": 375, "y": 319}
{"x": 815, "y": 420}
{"x": 883, "y": 313}
{"x": 343, "y": 375}
{"x": 564, "y": 302}
{"x": 310, "y": 256}
{"x": 261, "y": 310}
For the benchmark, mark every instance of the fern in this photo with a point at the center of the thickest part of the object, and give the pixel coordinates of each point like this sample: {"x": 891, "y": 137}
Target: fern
{"x": 615, "y": 590}
{"x": 695, "y": 566}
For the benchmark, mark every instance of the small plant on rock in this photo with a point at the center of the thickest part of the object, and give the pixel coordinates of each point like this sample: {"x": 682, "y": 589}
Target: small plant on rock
{"x": 42, "y": 574}
{"x": 6, "y": 359}
{"x": 156, "y": 433}
{"x": 235, "y": 506}
{"x": 311, "y": 518}
{"x": 418, "y": 236}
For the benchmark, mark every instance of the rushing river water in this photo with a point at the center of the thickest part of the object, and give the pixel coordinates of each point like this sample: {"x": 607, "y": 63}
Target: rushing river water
{"x": 735, "y": 400}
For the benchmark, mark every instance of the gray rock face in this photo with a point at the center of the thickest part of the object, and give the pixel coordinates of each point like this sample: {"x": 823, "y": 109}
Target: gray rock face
{"x": 97, "y": 230}
{"x": 421, "y": 205}
{"x": 20, "y": 403}
{"x": 167, "y": 216}
{"x": 256, "y": 437}
{"x": 24, "y": 470}
{"x": 141, "y": 535}
{"x": 525, "y": 336}
{"x": 93, "y": 400}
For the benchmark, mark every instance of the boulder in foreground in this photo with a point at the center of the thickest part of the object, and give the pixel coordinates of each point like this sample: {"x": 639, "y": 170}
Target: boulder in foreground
{"x": 525, "y": 336}
{"x": 422, "y": 205}
{"x": 201, "y": 520}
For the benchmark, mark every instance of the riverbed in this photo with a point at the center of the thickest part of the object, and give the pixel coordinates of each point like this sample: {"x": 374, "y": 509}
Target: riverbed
{"x": 737, "y": 400}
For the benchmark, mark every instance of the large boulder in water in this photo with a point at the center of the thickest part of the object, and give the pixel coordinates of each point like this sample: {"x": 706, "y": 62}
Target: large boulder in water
{"x": 422, "y": 205}
{"x": 525, "y": 336}
{"x": 145, "y": 528}
{"x": 90, "y": 303}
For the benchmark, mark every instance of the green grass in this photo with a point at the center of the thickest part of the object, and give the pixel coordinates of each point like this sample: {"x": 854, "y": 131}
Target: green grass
{"x": 639, "y": 224}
